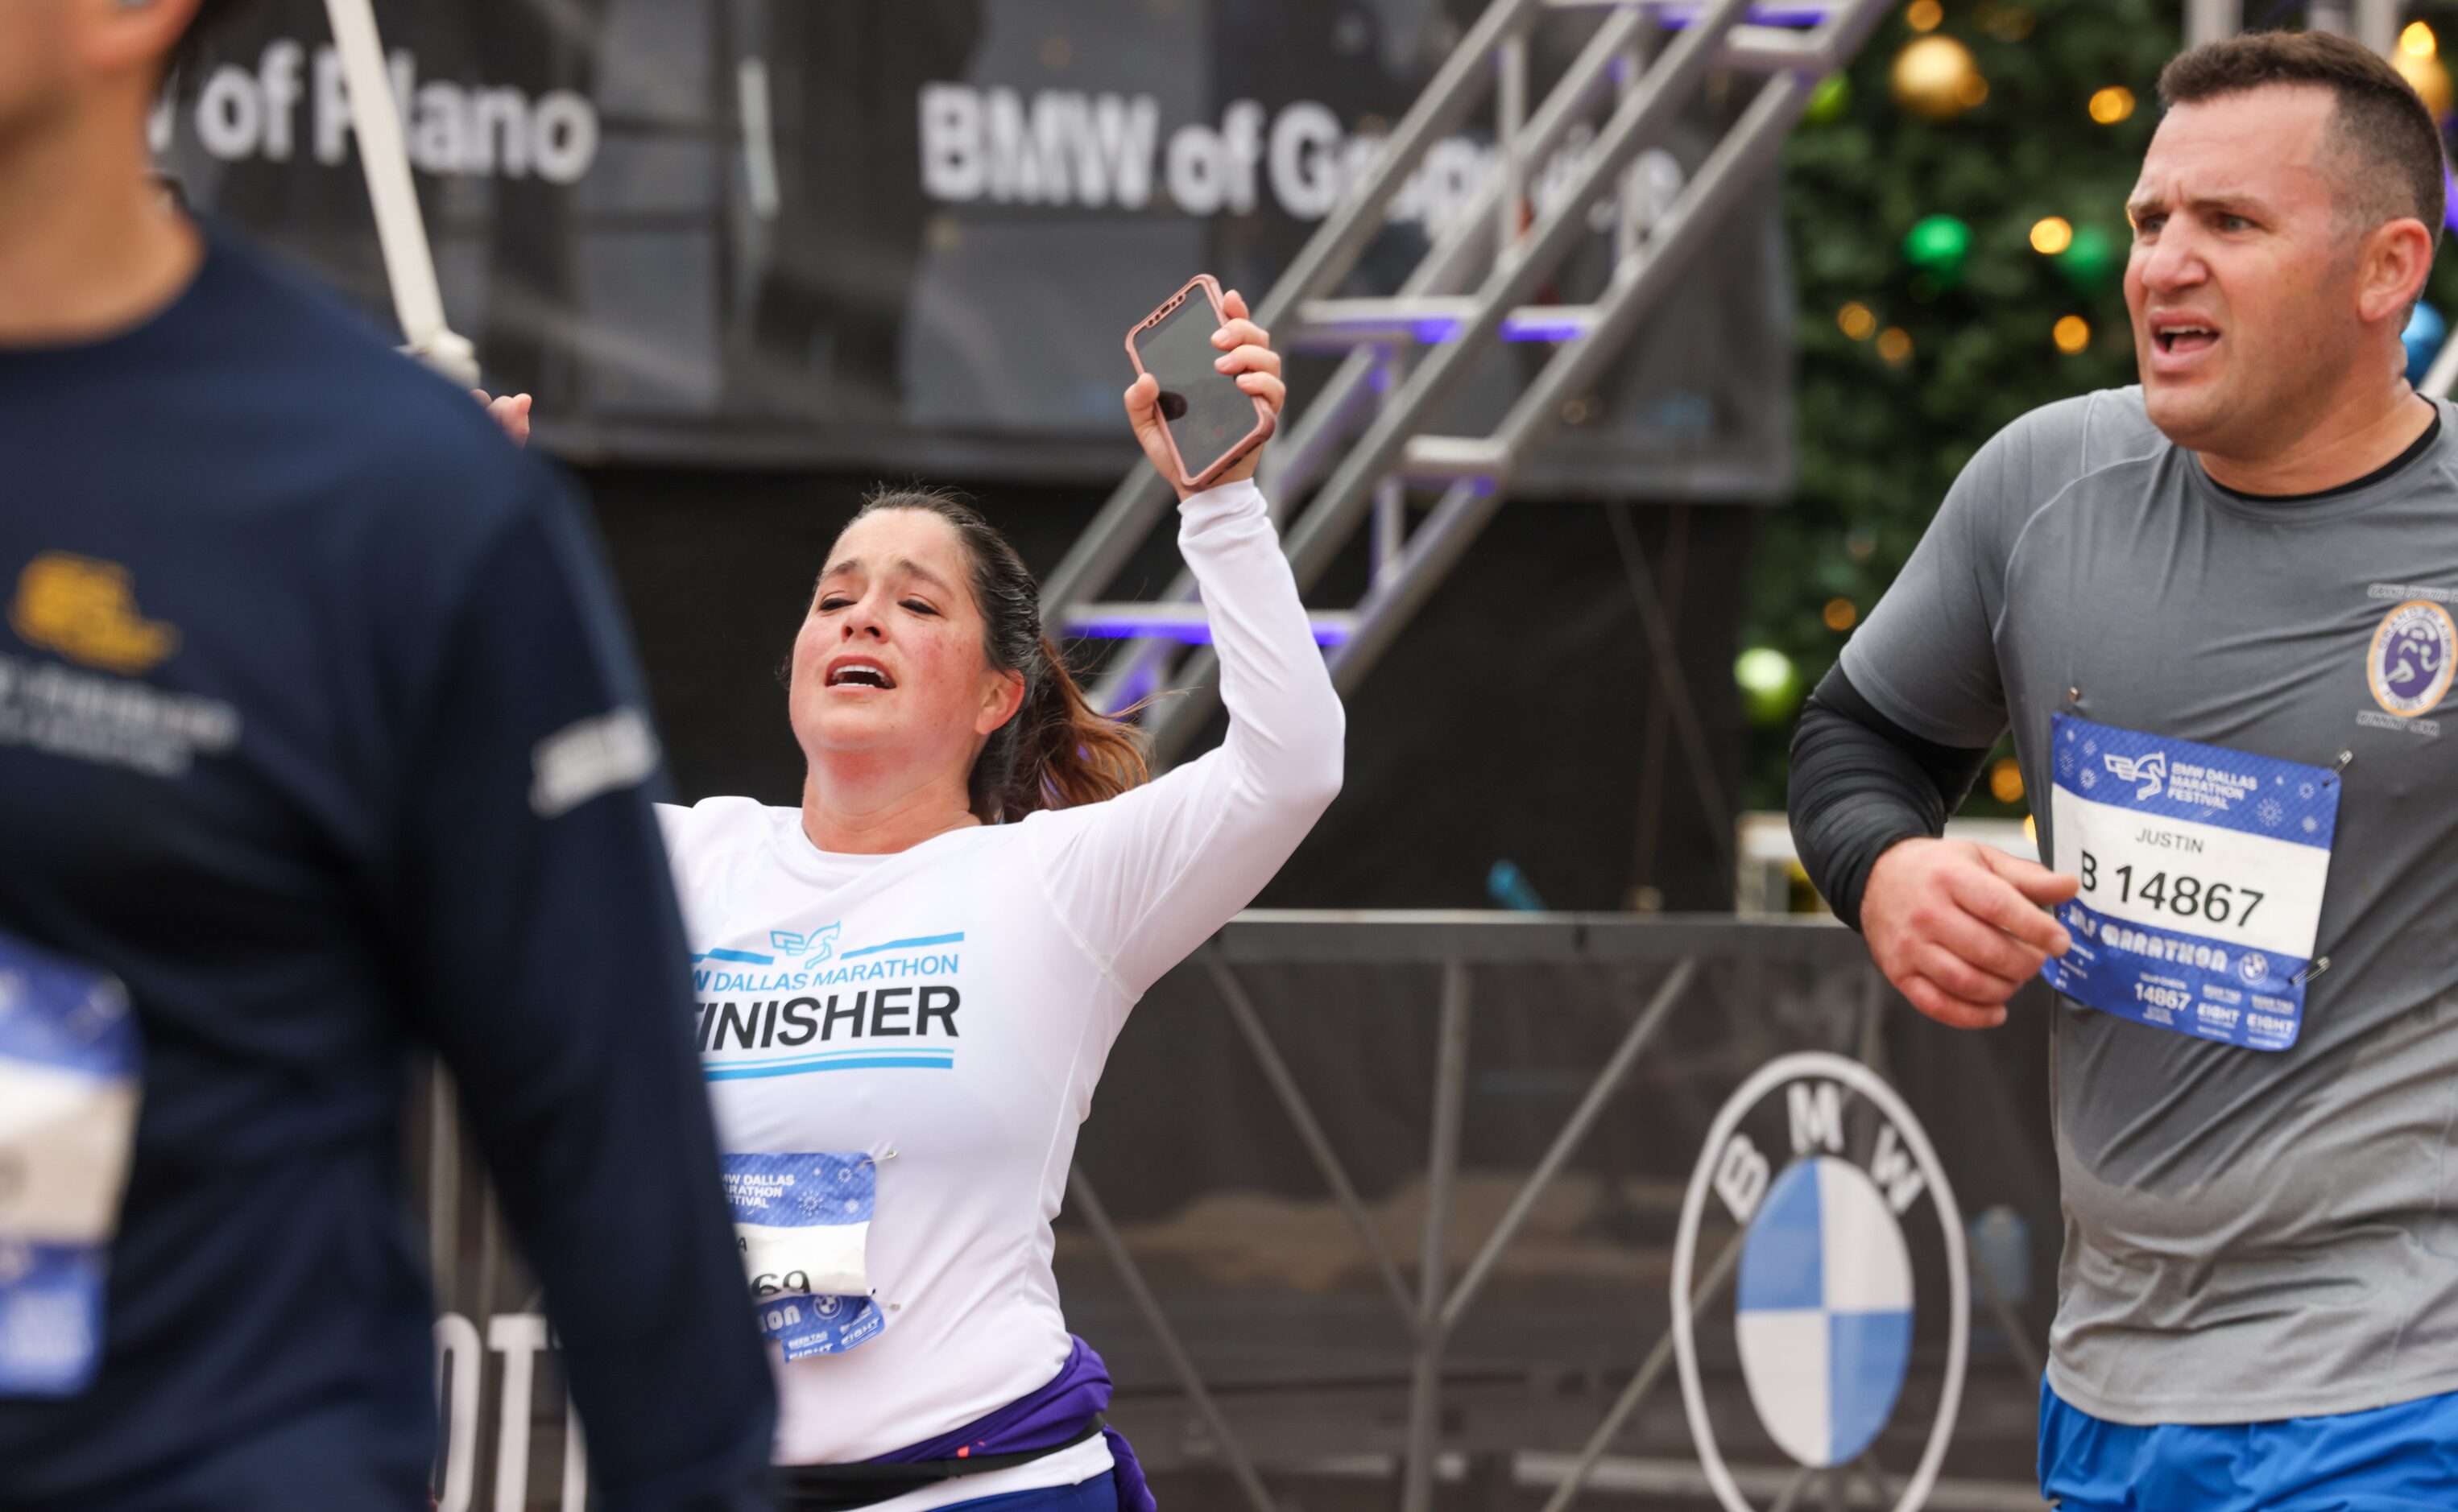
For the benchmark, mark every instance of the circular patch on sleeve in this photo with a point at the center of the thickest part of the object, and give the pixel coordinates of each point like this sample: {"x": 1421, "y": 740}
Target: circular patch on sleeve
{"x": 2413, "y": 655}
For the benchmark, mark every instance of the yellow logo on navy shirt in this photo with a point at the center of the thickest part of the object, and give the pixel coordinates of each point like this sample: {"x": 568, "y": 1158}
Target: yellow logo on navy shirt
{"x": 86, "y": 611}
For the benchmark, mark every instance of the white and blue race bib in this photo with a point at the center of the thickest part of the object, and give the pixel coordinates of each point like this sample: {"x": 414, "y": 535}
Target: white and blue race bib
{"x": 803, "y": 1223}
{"x": 69, "y": 1062}
{"x": 2202, "y": 873}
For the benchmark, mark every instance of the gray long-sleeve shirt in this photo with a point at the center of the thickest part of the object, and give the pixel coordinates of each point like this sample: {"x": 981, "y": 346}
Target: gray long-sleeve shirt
{"x": 2249, "y": 1235}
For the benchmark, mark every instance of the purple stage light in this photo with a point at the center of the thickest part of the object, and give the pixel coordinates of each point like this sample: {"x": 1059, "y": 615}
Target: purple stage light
{"x": 1186, "y": 633}
{"x": 1806, "y": 14}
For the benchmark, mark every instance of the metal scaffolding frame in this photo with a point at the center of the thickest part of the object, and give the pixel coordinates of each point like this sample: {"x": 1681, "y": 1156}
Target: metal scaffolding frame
{"x": 1457, "y": 943}
{"x": 1366, "y": 435}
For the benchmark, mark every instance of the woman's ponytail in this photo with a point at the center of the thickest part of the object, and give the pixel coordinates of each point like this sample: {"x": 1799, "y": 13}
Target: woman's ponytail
{"x": 1067, "y": 751}
{"x": 1058, "y": 750}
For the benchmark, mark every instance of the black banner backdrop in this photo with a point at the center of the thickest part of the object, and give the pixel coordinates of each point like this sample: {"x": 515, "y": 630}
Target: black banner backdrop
{"x": 909, "y": 235}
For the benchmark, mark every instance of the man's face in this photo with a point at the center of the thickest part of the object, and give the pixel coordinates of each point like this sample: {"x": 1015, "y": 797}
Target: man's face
{"x": 2242, "y": 278}
{"x": 36, "y": 43}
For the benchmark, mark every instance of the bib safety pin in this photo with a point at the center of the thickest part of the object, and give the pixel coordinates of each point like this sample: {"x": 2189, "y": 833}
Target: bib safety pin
{"x": 2321, "y": 963}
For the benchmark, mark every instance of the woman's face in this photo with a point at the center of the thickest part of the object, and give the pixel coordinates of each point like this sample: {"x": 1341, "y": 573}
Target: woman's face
{"x": 889, "y": 659}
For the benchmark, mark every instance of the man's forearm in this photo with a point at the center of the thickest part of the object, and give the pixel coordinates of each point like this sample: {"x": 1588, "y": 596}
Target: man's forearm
{"x": 1859, "y": 783}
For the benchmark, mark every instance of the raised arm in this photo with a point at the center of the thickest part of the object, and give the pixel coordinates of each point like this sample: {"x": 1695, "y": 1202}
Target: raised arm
{"x": 1143, "y": 878}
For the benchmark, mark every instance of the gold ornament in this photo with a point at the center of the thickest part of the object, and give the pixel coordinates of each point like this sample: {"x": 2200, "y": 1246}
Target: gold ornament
{"x": 2426, "y": 75}
{"x": 1936, "y": 78}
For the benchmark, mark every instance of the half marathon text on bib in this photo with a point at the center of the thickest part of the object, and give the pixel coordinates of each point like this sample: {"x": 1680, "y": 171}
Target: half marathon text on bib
{"x": 803, "y": 1223}
{"x": 68, "y": 1120}
{"x": 2202, "y": 871}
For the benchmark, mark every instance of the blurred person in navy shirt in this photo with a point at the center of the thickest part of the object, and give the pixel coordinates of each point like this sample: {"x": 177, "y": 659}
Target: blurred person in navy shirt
{"x": 320, "y": 733}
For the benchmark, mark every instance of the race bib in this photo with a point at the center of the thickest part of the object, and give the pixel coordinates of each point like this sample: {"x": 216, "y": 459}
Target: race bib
{"x": 68, "y": 1120}
{"x": 803, "y": 1223}
{"x": 2202, "y": 871}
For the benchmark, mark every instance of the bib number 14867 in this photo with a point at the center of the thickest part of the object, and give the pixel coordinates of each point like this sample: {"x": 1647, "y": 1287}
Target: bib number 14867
{"x": 2180, "y": 892}
{"x": 2202, "y": 873}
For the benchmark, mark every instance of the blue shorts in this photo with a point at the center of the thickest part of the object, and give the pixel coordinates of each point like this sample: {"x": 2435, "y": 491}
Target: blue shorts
{"x": 2397, "y": 1458}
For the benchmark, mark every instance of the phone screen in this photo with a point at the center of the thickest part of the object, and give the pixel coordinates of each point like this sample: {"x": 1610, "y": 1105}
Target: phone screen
{"x": 1208, "y": 413}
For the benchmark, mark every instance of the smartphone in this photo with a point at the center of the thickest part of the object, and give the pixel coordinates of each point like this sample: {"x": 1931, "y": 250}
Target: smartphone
{"x": 1211, "y": 421}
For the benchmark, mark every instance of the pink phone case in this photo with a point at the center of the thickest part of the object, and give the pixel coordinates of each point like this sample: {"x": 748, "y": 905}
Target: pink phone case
{"x": 1264, "y": 418}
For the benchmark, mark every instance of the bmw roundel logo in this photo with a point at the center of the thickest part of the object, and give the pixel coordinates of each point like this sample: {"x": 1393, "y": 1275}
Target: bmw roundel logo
{"x": 1825, "y": 1305}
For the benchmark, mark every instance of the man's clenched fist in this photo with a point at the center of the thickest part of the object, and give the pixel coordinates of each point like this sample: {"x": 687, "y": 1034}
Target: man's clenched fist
{"x": 1958, "y": 928}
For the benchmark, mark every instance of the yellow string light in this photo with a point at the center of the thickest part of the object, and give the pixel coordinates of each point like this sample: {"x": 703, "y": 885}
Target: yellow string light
{"x": 2005, "y": 781}
{"x": 2112, "y": 105}
{"x": 1857, "y": 320}
{"x": 1839, "y": 614}
{"x": 2073, "y": 334}
{"x": 1894, "y": 343}
{"x": 2417, "y": 41}
{"x": 2051, "y": 235}
{"x": 1924, "y": 15}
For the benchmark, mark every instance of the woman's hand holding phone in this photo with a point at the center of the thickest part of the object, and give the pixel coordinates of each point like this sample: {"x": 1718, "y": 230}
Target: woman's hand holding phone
{"x": 1246, "y": 355}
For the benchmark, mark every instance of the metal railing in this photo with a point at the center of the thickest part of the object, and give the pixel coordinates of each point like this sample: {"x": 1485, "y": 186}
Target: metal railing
{"x": 1676, "y": 953}
{"x": 1686, "y": 986}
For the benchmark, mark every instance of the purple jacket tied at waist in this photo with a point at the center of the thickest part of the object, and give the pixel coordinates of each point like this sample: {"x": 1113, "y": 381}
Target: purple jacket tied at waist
{"x": 1045, "y": 1420}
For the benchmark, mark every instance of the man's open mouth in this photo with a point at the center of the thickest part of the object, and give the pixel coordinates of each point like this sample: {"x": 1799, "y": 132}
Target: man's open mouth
{"x": 2185, "y": 337}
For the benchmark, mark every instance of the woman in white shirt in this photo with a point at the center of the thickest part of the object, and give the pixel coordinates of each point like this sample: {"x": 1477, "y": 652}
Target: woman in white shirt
{"x": 907, "y": 985}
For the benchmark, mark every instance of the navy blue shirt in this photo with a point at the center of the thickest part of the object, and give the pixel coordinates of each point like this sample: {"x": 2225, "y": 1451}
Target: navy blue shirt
{"x": 318, "y": 728}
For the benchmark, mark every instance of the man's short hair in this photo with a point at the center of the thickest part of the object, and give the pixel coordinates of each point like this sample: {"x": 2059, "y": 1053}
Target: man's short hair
{"x": 2382, "y": 129}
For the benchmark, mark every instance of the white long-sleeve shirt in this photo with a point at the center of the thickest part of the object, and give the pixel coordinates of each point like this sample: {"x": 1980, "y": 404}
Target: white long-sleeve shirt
{"x": 947, "y": 1009}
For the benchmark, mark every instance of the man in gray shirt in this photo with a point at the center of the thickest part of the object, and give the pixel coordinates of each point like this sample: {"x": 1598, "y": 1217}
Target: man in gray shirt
{"x": 2217, "y": 612}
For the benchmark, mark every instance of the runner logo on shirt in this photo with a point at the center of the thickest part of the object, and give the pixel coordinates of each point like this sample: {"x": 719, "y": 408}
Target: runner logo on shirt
{"x": 2413, "y": 655}
{"x": 822, "y": 941}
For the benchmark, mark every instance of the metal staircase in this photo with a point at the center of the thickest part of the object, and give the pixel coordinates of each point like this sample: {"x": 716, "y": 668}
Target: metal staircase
{"x": 1364, "y": 436}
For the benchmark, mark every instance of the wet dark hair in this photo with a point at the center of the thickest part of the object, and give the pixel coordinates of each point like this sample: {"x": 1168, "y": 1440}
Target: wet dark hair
{"x": 1058, "y": 750}
{"x": 2379, "y": 129}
